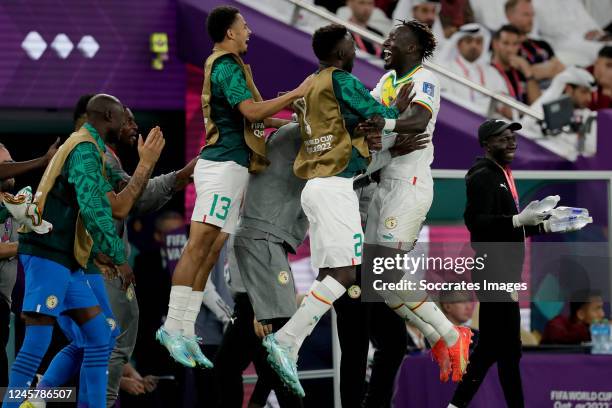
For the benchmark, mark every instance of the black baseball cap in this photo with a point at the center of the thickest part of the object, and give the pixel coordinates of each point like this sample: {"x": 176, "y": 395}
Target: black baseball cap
{"x": 494, "y": 127}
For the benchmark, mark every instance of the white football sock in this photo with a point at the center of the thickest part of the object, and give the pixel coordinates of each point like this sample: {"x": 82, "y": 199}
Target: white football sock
{"x": 179, "y": 298}
{"x": 399, "y": 307}
{"x": 310, "y": 289}
{"x": 191, "y": 314}
{"x": 431, "y": 313}
{"x": 315, "y": 305}
{"x": 427, "y": 329}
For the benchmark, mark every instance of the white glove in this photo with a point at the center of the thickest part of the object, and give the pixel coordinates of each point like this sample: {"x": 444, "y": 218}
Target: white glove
{"x": 529, "y": 216}
{"x": 25, "y": 211}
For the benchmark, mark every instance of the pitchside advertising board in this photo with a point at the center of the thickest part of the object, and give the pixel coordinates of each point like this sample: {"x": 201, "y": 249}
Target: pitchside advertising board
{"x": 52, "y": 52}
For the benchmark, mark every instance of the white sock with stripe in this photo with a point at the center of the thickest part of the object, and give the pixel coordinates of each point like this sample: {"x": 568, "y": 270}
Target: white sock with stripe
{"x": 429, "y": 312}
{"x": 191, "y": 314}
{"x": 314, "y": 306}
{"x": 179, "y": 298}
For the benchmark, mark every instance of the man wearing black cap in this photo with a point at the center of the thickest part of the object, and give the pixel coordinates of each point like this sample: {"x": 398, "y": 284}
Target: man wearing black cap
{"x": 492, "y": 216}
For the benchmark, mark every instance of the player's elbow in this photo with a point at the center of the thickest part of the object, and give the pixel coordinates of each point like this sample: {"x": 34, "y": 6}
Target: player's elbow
{"x": 120, "y": 212}
{"x": 251, "y": 111}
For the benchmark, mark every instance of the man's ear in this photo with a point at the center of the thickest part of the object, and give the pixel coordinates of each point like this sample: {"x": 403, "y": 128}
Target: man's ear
{"x": 108, "y": 115}
{"x": 230, "y": 34}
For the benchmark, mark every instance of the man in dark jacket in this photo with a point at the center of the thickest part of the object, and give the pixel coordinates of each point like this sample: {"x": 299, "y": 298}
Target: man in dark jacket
{"x": 498, "y": 229}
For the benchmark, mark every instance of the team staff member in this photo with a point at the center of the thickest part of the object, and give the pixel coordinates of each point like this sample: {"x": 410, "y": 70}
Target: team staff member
{"x": 492, "y": 215}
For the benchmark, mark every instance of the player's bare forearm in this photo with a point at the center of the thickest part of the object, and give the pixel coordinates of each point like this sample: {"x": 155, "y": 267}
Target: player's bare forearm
{"x": 256, "y": 111}
{"x": 414, "y": 120}
{"x": 547, "y": 70}
{"x": 123, "y": 202}
{"x": 275, "y": 122}
{"x": 533, "y": 91}
{"x": 9, "y": 170}
{"x": 8, "y": 249}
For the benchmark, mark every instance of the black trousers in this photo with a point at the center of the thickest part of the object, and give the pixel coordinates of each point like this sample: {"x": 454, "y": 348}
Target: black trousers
{"x": 240, "y": 347}
{"x": 358, "y": 323}
{"x": 499, "y": 342}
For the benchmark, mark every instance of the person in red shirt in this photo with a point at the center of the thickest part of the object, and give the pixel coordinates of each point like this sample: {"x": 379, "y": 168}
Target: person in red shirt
{"x": 575, "y": 328}
{"x": 602, "y": 71}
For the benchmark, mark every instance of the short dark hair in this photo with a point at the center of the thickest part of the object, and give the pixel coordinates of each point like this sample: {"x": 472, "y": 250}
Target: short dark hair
{"x": 81, "y": 107}
{"x": 507, "y": 28}
{"x": 605, "y": 52}
{"x": 580, "y": 298}
{"x": 219, "y": 21}
{"x": 511, "y": 4}
{"x": 425, "y": 39}
{"x": 326, "y": 39}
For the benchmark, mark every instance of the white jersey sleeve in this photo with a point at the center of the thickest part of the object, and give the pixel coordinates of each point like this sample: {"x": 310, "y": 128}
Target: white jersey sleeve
{"x": 427, "y": 91}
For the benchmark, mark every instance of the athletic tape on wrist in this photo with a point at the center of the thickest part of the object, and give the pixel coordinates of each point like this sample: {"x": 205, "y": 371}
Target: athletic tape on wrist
{"x": 389, "y": 124}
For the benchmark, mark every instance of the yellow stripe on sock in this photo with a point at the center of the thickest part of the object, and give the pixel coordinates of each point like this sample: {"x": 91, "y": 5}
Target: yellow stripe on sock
{"x": 321, "y": 298}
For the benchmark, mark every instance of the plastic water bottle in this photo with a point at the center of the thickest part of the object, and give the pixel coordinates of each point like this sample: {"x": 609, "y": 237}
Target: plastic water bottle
{"x": 561, "y": 212}
{"x": 573, "y": 222}
{"x": 547, "y": 203}
{"x": 597, "y": 337}
{"x": 607, "y": 341}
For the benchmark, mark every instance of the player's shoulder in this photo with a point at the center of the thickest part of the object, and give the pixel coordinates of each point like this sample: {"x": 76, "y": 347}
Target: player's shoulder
{"x": 425, "y": 75}
{"x": 225, "y": 66}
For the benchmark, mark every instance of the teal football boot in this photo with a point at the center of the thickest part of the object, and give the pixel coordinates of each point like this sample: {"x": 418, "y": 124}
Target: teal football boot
{"x": 192, "y": 344}
{"x": 282, "y": 362}
{"x": 175, "y": 346}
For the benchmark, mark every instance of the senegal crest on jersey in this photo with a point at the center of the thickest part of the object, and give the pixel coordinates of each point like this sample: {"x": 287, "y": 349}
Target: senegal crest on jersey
{"x": 392, "y": 85}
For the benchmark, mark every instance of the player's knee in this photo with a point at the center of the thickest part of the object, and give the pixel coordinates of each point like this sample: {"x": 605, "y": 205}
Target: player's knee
{"x": 37, "y": 319}
{"x": 96, "y": 331}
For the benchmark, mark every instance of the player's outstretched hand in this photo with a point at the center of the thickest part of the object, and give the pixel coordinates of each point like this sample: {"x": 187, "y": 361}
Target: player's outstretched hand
{"x": 150, "y": 149}
{"x": 127, "y": 275}
{"x": 404, "y": 97}
{"x": 105, "y": 264}
{"x": 184, "y": 175}
{"x": 52, "y": 150}
{"x": 371, "y": 134}
{"x": 405, "y": 144}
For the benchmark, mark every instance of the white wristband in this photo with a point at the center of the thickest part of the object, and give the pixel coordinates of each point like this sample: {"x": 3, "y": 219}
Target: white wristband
{"x": 389, "y": 124}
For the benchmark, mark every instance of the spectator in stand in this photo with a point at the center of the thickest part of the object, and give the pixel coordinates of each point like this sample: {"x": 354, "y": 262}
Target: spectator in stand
{"x": 457, "y": 306}
{"x": 387, "y": 6}
{"x": 454, "y": 14}
{"x": 489, "y": 13}
{"x": 424, "y": 11}
{"x": 538, "y": 53}
{"x": 466, "y": 55}
{"x": 516, "y": 71}
{"x": 360, "y": 14}
{"x": 574, "y": 329}
{"x": 365, "y": 14}
{"x": 331, "y": 5}
{"x": 602, "y": 71}
{"x": 601, "y": 11}
{"x": 567, "y": 26}
{"x": 577, "y": 83}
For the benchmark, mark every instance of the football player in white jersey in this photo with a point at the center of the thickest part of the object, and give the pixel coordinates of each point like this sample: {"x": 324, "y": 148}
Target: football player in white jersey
{"x": 405, "y": 191}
